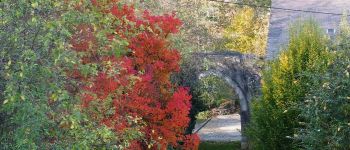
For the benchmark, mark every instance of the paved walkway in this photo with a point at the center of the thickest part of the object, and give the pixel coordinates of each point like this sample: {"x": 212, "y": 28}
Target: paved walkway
{"x": 221, "y": 128}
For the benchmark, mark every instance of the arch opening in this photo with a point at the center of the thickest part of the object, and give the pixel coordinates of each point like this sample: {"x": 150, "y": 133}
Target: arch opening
{"x": 244, "y": 100}
{"x": 222, "y": 106}
{"x": 237, "y": 70}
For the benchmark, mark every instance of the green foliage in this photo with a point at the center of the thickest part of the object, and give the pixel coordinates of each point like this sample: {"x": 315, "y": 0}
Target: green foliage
{"x": 31, "y": 46}
{"x": 327, "y": 107}
{"x": 204, "y": 115}
{"x": 38, "y": 106}
{"x": 206, "y": 93}
{"x": 203, "y": 22}
{"x": 265, "y": 3}
{"x": 235, "y": 145}
{"x": 275, "y": 117}
{"x": 247, "y": 32}
{"x": 213, "y": 91}
{"x": 342, "y": 41}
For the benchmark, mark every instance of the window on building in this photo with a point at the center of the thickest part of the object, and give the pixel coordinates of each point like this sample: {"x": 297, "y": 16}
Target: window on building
{"x": 331, "y": 31}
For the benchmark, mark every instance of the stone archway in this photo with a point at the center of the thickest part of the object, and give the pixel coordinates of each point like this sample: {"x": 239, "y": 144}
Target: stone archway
{"x": 239, "y": 71}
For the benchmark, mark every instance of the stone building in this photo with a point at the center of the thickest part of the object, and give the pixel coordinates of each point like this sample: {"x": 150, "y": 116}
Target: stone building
{"x": 326, "y": 12}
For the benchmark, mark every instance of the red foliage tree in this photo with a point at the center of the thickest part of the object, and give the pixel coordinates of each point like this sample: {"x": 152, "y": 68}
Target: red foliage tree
{"x": 141, "y": 86}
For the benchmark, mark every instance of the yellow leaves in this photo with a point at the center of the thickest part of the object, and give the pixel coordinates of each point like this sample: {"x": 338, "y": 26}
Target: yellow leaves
{"x": 34, "y": 5}
{"x": 326, "y": 85}
{"x": 136, "y": 119}
{"x": 150, "y": 29}
{"x": 8, "y": 64}
{"x": 5, "y": 101}
{"x": 295, "y": 82}
{"x": 27, "y": 131}
{"x": 284, "y": 61}
{"x": 57, "y": 4}
{"x": 54, "y": 97}
{"x": 34, "y": 20}
{"x": 247, "y": 33}
{"x": 22, "y": 97}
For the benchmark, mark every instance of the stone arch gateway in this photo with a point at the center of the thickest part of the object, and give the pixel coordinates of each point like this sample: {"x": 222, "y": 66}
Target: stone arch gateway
{"x": 239, "y": 71}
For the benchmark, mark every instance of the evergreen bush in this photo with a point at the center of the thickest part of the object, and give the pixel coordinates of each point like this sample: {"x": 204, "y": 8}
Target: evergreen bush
{"x": 326, "y": 109}
{"x": 275, "y": 117}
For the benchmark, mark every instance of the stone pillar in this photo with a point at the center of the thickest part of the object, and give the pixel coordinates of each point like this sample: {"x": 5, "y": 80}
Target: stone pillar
{"x": 245, "y": 117}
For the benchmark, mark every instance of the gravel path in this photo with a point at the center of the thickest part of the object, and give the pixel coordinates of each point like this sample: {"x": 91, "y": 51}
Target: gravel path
{"x": 221, "y": 128}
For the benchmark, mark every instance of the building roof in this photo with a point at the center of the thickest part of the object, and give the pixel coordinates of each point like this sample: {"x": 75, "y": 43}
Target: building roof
{"x": 280, "y": 19}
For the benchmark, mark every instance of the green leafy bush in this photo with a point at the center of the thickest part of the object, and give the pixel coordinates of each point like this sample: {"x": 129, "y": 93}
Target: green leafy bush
{"x": 31, "y": 49}
{"x": 38, "y": 107}
{"x": 204, "y": 115}
{"x": 275, "y": 117}
{"x": 326, "y": 109}
{"x": 213, "y": 91}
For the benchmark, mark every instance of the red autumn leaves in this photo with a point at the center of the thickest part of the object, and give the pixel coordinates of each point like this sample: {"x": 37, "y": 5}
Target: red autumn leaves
{"x": 138, "y": 83}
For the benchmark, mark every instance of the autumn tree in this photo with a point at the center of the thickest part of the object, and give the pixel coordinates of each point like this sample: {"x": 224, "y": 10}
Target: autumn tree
{"x": 247, "y": 32}
{"x": 88, "y": 74}
{"x": 131, "y": 86}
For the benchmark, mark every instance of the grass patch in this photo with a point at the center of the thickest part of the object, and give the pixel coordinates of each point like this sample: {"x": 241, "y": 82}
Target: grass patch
{"x": 234, "y": 145}
{"x": 200, "y": 120}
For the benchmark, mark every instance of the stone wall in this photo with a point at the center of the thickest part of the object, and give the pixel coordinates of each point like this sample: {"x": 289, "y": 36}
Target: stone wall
{"x": 280, "y": 20}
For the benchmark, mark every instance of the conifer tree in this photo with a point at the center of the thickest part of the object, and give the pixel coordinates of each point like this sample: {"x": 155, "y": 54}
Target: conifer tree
{"x": 276, "y": 116}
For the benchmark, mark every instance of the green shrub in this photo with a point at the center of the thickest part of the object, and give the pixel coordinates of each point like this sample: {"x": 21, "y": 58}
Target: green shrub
{"x": 38, "y": 107}
{"x": 275, "y": 117}
{"x": 234, "y": 145}
{"x": 204, "y": 115}
{"x": 326, "y": 111}
{"x": 213, "y": 91}
{"x": 31, "y": 47}
{"x": 327, "y": 107}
